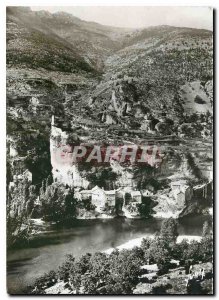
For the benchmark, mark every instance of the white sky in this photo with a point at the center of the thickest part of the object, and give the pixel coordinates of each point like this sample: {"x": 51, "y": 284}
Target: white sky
{"x": 140, "y": 16}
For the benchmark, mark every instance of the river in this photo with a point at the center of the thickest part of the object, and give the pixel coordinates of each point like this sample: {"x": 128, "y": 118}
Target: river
{"x": 48, "y": 249}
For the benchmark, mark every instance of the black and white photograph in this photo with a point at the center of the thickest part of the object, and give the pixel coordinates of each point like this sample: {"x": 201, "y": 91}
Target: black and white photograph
{"x": 109, "y": 150}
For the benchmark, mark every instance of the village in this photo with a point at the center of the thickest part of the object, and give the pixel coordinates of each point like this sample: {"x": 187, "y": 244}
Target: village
{"x": 125, "y": 198}
{"x": 179, "y": 192}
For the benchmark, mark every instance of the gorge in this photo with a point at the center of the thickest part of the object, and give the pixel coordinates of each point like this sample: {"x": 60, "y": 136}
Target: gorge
{"x": 73, "y": 84}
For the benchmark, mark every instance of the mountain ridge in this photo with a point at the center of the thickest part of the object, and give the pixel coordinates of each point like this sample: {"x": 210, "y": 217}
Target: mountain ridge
{"x": 93, "y": 41}
{"x": 154, "y": 82}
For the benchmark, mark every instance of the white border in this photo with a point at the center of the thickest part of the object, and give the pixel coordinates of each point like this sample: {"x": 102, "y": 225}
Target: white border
{"x": 211, "y": 3}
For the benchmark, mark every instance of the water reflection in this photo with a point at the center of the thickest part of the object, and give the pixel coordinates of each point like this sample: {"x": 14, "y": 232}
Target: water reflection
{"x": 48, "y": 250}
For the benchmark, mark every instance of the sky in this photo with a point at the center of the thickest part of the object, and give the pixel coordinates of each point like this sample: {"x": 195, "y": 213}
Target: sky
{"x": 140, "y": 16}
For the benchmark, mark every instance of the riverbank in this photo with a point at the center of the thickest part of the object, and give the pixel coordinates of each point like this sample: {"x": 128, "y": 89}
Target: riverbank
{"x": 137, "y": 242}
{"x": 174, "y": 279}
{"x": 47, "y": 250}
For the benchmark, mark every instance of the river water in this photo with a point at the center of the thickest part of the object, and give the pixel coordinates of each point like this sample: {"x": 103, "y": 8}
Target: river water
{"x": 48, "y": 249}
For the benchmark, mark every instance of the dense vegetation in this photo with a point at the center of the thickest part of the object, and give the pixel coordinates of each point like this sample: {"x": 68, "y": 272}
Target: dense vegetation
{"x": 120, "y": 271}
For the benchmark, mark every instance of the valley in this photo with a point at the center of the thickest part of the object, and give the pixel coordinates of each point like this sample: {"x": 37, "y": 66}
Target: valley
{"x": 109, "y": 157}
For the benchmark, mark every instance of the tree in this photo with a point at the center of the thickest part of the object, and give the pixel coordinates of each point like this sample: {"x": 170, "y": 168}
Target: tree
{"x": 192, "y": 253}
{"x": 70, "y": 205}
{"x": 145, "y": 208}
{"x": 178, "y": 250}
{"x": 124, "y": 270}
{"x": 99, "y": 273}
{"x": 65, "y": 270}
{"x": 206, "y": 229}
{"x": 159, "y": 253}
{"x": 206, "y": 245}
{"x": 146, "y": 243}
{"x": 169, "y": 231}
{"x": 206, "y": 249}
{"x": 95, "y": 276}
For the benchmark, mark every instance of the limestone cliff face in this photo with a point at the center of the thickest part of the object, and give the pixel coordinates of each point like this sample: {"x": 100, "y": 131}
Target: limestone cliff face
{"x": 125, "y": 176}
{"x": 142, "y": 93}
{"x": 63, "y": 169}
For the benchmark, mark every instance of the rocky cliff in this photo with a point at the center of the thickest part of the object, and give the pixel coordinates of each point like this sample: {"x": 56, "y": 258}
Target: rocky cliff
{"x": 107, "y": 86}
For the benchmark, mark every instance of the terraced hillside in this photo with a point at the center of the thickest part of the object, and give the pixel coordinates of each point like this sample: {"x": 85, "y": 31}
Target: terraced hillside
{"x": 107, "y": 85}
{"x": 163, "y": 68}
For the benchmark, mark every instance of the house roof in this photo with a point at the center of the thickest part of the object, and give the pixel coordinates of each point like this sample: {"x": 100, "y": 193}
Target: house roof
{"x": 85, "y": 192}
{"x": 146, "y": 192}
{"x": 96, "y": 188}
{"x": 119, "y": 189}
{"x": 135, "y": 193}
{"x": 110, "y": 192}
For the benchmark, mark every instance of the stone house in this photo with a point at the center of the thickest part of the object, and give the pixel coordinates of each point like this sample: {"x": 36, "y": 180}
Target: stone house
{"x": 149, "y": 187}
{"x": 120, "y": 193}
{"x": 136, "y": 196}
{"x": 177, "y": 185}
{"x": 180, "y": 197}
{"x": 102, "y": 199}
{"x": 146, "y": 193}
{"x": 110, "y": 197}
{"x": 85, "y": 194}
{"x": 188, "y": 192}
{"x": 98, "y": 198}
{"x": 181, "y": 191}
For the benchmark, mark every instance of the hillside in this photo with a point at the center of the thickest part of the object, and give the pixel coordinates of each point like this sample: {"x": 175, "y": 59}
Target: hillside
{"x": 31, "y": 44}
{"x": 162, "y": 67}
{"x": 59, "y": 41}
{"x": 111, "y": 86}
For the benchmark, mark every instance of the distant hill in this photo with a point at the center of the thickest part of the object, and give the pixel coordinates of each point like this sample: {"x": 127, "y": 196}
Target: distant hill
{"x": 32, "y": 44}
{"x": 58, "y": 41}
{"x": 160, "y": 72}
{"x": 155, "y": 70}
